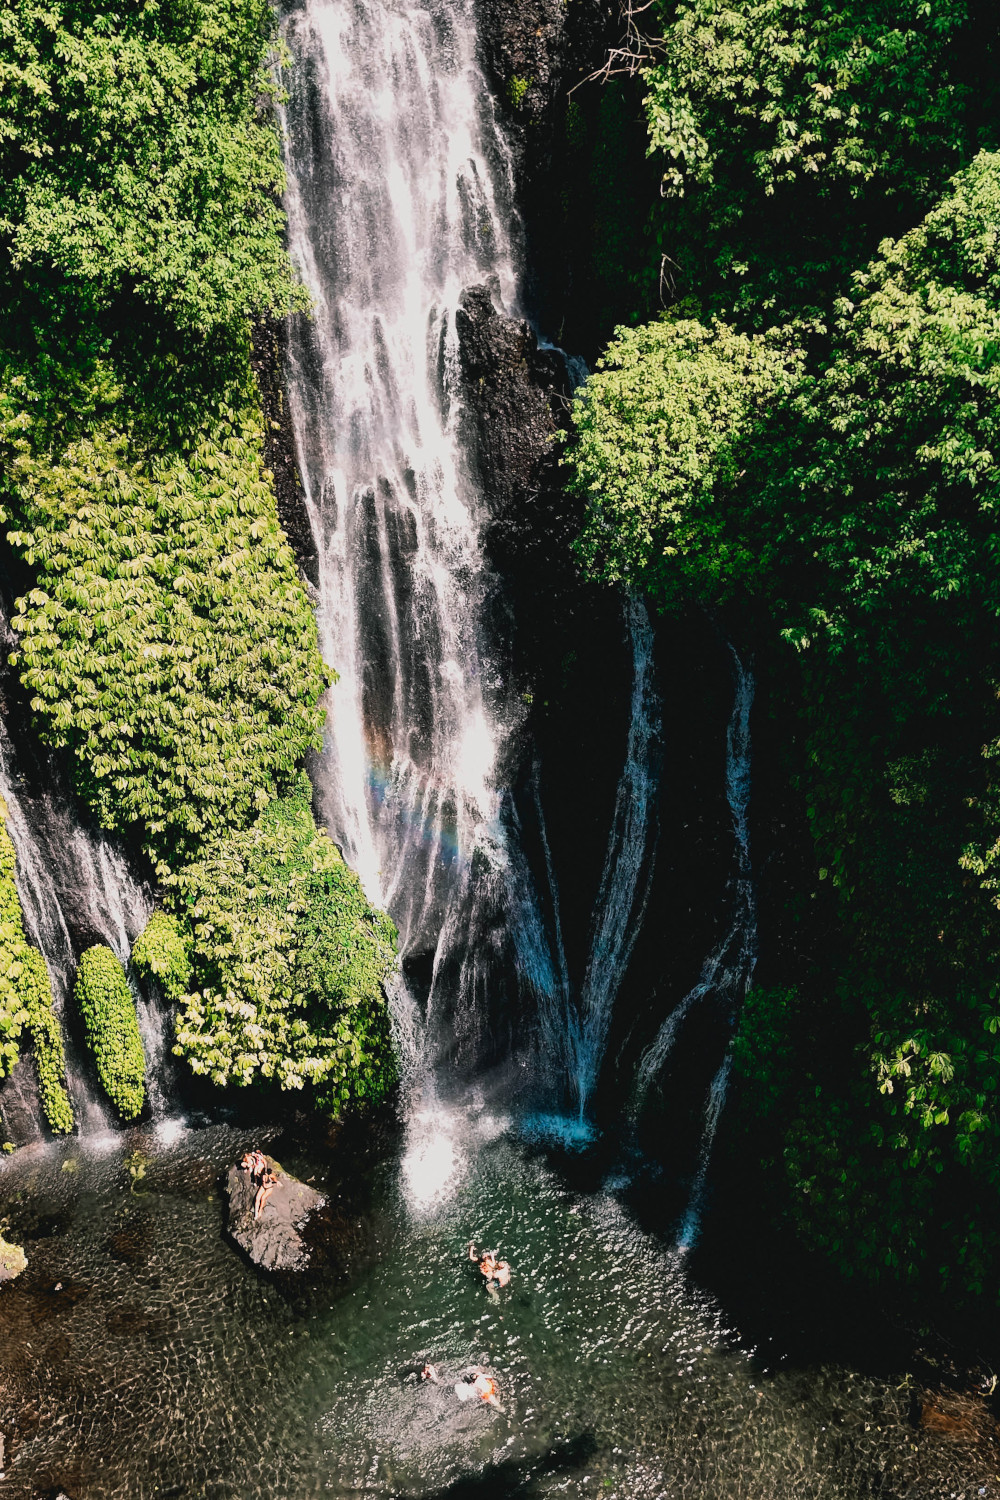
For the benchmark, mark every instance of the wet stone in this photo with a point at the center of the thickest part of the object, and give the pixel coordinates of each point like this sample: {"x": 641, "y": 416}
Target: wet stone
{"x": 275, "y": 1240}
{"x": 12, "y": 1261}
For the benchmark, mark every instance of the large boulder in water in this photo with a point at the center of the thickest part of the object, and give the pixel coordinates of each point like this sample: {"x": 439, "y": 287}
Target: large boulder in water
{"x": 274, "y": 1241}
{"x": 12, "y": 1260}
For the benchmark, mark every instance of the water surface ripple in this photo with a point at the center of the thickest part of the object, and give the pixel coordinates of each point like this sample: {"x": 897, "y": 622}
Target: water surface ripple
{"x": 143, "y": 1357}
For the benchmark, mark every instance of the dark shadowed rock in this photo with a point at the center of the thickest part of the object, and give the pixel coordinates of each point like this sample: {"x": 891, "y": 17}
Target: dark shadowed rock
{"x": 274, "y": 1242}
{"x": 270, "y": 342}
{"x": 511, "y": 391}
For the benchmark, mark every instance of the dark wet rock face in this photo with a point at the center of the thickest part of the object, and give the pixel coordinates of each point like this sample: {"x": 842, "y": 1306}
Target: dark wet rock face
{"x": 512, "y": 390}
{"x": 583, "y": 185}
{"x": 270, "y": 342}
{"x": 275, "y": 1240}
{"x": 534, "y": 52}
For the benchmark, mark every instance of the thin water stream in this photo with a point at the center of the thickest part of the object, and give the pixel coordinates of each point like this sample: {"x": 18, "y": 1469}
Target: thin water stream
{"x": 75, "y": 889}
{"x": 145, "y": 1359}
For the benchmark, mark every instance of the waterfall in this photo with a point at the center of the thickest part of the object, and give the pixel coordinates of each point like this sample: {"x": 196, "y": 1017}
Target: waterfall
{"x": 75, "y": 889}
{"x": 691, "y": 1225}
{"x": 727, "y": 971}
{"x": 628, "y": 866}
{"x": 399, "y": 197}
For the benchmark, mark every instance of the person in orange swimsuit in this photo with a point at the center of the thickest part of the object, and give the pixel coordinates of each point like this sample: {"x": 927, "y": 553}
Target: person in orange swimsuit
{"x": 477, "y": 1383}
{"x": 485, "y": 1388}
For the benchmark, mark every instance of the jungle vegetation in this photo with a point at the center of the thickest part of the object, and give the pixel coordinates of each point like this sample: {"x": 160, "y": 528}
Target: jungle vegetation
{"x": 163, "y": 635}
{"x": 805, "y": 443}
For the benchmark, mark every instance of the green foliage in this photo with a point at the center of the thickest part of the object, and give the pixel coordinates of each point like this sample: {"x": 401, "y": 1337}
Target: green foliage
{"x": 762, "y": 1049}
{"x": 793, "y": 134}
{"x": 659, "y": 432}
{"x": 792, "y": 88}
{"x": 26, "y": 999}
{"x": 166, "y": 595}
{"x": 516, "y": 90}
{"x": 894, "y": 441}
{"x": 136, "y": 159}
{"x": 12, "y": 1260}
{"x": 46, "y": 1040}
{"x": 166, "y": 641}
{"x": 289, "y": 959}
{"x": 108, "y": 1010}
{"x": 13, "y": 1013}
{"x": 891, "y": 1182}
{"x": 844, "y": 502}
{"x": 162, "y": 952}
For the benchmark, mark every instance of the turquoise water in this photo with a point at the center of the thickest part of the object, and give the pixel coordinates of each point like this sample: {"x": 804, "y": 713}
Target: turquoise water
{"x": 165, "y": 1366}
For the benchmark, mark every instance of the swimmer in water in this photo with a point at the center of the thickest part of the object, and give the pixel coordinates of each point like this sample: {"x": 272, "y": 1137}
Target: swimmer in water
{"x": 429, "y": 1372}
{"x": 485, "y": 1388}
{"x": 477, "y": 1383}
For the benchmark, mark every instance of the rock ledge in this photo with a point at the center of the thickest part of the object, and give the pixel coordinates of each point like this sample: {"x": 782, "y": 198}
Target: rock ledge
{"x": 12, "y": 1260}
{"x": 274, "y": 1242}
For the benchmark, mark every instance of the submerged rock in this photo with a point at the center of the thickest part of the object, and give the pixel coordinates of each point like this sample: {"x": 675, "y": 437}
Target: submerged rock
{"x": 274, "y": 1241}
{"x": 12, "y": 1260}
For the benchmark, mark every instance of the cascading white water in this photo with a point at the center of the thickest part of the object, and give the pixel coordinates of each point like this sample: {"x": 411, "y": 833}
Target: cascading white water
{"x": 70, "y": 880}
{"x": 691, "y": 1225}
{"x": 628, "y": 867}
{"x": 399, "y": 197}
{"x": 394, "y": 165}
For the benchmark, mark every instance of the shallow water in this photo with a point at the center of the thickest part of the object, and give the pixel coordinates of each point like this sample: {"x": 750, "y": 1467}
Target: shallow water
{"x": 164, "y": 1365}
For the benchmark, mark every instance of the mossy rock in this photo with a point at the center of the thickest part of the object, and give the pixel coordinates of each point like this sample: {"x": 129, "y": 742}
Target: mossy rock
{"x": 162, "y": 952}
{"x": 12, "y": 1260}
{"x": 108, "y": 1011}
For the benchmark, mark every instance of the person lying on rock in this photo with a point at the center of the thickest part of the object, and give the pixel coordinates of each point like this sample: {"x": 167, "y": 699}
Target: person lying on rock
{"x": 268, "y": 1183}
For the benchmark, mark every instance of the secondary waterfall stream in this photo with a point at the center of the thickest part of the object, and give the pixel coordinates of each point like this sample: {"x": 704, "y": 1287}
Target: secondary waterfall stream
{"x": 75, "y": 888}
